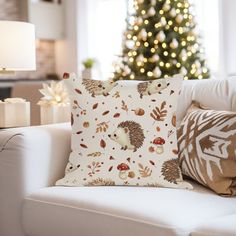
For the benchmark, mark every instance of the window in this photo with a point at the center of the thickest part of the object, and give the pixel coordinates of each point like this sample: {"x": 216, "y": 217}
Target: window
{"x": 106, "y": 24}
{"x": 207, "y": 18}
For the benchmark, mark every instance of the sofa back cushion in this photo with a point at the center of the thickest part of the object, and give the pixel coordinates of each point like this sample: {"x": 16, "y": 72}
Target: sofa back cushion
{"x": 213, "y": 93}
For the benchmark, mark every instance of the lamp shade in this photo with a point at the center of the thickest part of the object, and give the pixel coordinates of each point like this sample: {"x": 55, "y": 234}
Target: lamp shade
{"x": 17, "y": 46}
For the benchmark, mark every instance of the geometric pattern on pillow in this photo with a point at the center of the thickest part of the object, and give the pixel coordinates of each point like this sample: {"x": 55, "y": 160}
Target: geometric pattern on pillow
{"x": 207, "y": 148}
{"x": 123, "y": 133}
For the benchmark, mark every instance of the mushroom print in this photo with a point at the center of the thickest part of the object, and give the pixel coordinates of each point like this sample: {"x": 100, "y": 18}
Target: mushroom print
{"x": 159, "y": 142}
{"x": 123, "y": 168}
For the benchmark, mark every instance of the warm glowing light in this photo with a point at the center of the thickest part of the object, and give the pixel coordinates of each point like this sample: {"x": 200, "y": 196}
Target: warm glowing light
{"x": 146, "y": 22}
{"x": 183, "y": 43}
{"x": 143, "y": 12}
{"x": 164, "y": 45}
{"x": 139, "y": 63}
{"x": 129, "y": 36}
{"x": 157, "y": 25}
{"x": 149, "y": 34}
{"x": 150, "y": 74}
{"x": 161, "y": 12}
{"x": 136, "y": 27}
{"x": 161, "y": 63}
{"x": 153, "y": 50}
{"x": 178, "y": 65}
{"x": 131, "y": 59}
{"x": 132, "y": 76}
{"x": 170, "y": 22}
{"x": 146, "y": 44}
{"x": 173, "y": 55}
{"x": 138, "y": 44}
{"x": 167, "y": 65}
{"x": 135, "y": 38}
{"x": 165, "y": 53}
{"x": 155, "y": 41}
{"x": 142, "y": 70}
{"x": 200, "y": 77}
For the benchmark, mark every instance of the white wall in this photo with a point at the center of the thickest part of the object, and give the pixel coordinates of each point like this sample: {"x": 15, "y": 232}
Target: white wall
{"x": 66, "y": 50}
{"x": 228, "y": 36}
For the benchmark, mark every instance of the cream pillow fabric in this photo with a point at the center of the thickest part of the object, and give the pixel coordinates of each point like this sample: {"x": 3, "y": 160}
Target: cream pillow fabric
{"x": 207, "y": 144}
{"x": 123, "y": 133}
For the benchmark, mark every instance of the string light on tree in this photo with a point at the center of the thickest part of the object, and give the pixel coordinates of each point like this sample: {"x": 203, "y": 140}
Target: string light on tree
{"x": 161, "y": 41}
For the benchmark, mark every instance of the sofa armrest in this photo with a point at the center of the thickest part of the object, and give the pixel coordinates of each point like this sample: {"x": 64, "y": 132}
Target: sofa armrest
{"x": 30, "y": 158}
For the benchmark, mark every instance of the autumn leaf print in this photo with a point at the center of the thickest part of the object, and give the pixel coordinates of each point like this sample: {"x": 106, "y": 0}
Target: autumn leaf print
{"x": 117, "y": 115}
{"x": 102, "y": 143}
{"x": 116, "y": 95}
{"x": 78, "y": 91}
{"x": 102, "y": 127}
{"x": 94, "y": 168}
{"x": 105, "y": 113}
{"x": 124, "y": 106}
{"x": 94, "y": 154}
{"x": 159, "y": 114}
{"x": 72, "y": 119}
{"x": 95, "y": 106}
{"x": 144, "y": 171}
{"x": 83, "y": 145}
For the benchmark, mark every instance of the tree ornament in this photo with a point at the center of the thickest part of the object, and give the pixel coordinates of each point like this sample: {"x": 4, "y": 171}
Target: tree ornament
{"x": 127, "y": 70}
{"x": 172, "y": 13}
{"x": 166, "y": 6}
{"x": 157, "y": 72}
{"x": 143, "y": 34}
{"x": 151, "y": 11}
{"x": 130, "y": 44}
{"x": 174, "y": 44}
{"x": 183, "y": 71}
{"x": 139, "y": 21}
{"x": 179, "y": 18}
{"x": 154, "y": 58}
{"x": 163, "y": 21}
{"x": 140, "y": 58}
{"x": 197, "y": 63}
{"x": 153, "y": 2}
{"x": 161, "y": 36}
{"x": 183, "y": 53}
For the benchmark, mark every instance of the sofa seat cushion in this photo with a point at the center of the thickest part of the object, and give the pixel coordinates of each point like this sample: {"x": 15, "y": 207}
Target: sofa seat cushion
{"x": 225, "y": 225}
{"x": 117, "y": 211}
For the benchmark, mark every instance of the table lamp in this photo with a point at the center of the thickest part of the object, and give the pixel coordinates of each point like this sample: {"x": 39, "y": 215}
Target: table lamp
{"x": 17, "y": 46}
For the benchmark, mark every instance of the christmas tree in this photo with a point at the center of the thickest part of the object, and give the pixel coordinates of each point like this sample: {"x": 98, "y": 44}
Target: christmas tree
{"x": 161, "y": 41}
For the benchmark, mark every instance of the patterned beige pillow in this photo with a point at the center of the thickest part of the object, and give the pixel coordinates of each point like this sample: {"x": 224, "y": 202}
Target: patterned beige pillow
{"x": 207, "y": 148}
{"x": 123, "y": 133}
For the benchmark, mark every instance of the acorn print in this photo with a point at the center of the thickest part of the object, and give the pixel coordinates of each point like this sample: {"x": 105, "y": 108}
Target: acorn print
{"x": 139, "y": 112}
{"x": 159, "y": 142}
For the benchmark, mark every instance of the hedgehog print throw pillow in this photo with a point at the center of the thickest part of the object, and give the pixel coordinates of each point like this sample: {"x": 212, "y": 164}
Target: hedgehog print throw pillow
{"x": 123, "y": 133}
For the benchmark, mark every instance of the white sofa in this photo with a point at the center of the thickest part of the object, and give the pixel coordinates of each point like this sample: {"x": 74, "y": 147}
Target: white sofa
{"x": 32, "y": 159}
